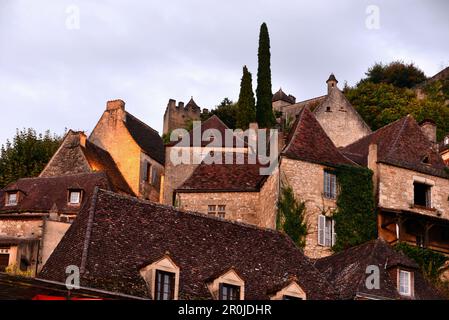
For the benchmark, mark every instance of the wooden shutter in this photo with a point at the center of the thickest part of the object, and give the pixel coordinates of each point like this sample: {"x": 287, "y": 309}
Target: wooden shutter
{"x": 334, "y": 235}
{"x": 321, "y": 229}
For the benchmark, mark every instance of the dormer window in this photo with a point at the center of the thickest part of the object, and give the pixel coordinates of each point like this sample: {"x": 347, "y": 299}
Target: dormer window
{"x": 405, "y": 281}
{"x": 228, "y": 286}
{"x": 292, "y": 291}
{"x": 162, "y": 278}
{"x": 12, "y": 198}
{"x": 74, "y": 197}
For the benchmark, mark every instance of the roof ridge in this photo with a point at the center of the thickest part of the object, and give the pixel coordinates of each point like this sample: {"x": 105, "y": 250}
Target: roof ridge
{"x": 61, "y": 176}
{"x": 319, "y": 97}
{"x": 192, "y": 213}
{"x": 137, "y": 119}
{"x": 88, "y": 234}
{"x": 295, "y": 132}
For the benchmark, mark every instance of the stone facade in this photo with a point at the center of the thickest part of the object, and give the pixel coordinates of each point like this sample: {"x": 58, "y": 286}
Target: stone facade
{"x": 53, "y": 232}
{"x": 258, "y": 208}
{"x": 177, "y": 116}
{"x": 112, "y": 135}
{"x": 306, "y": 180}
{"x": 340, "y": 120}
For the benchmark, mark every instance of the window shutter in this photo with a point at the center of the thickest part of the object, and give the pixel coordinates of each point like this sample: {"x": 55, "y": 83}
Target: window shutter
{"x": 321, "y": 229}
{"x": 220, "y": 291}
{"x": 145, "y": 171}
{"x": 334, "y": 235}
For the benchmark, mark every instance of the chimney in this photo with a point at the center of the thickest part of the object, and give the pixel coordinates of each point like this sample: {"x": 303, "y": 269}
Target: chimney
{"x": 115, "y": 104}
{"x": 181, "y": 105}
{"x": 83, "y": 139}
{"x": 429, "y": 129}
{"x": 372, "y": 164}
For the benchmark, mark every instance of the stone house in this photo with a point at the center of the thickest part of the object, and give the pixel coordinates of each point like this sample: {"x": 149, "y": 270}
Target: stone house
{"x": 237, "y": 192}
{"x": 307, "y": 164}
{"x": 36, "y": 212}
{"x": 177, "y": 115}
{"x": 177, "y": 173}
{"x": 341, "y": 122}
{"x": 410, "y": 180}
{"x": 136, "y": 148}
{"x": 126, "y": 245}
{"x": 400, "y": 278}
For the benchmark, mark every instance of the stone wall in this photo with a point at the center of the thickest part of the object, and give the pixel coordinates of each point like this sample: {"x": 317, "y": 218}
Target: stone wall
{"x": 68, "y": 159}
{"x": 340, "y": 120}
{"x": 241, "y": 206}
{"x": 268, "y": 198}
{"x": 176, "y": 116}
{"x": 306, "y": 179}
{"x": 396, "y": 190}
{"x": 22, "y": 227}
{"x": 148, "y": 190}
{"x": 52, "y": 235}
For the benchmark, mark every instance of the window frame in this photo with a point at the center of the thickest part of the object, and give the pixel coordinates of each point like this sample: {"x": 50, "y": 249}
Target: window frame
{"x": 157, "y": 285}
{"x": 330, "y": 188}
{"x": 74, "y": 191}
{"x": 221, "y": 211}
{"x": 8, "y": 199}
{"x": 427, "y": 195}
{"x": 409, "y": 282}
{"x": 326, "y": 231}
{"x": 235, "y": 294}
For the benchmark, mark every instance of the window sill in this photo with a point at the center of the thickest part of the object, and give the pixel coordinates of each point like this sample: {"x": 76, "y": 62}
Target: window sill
{"x": 417, "y": 206}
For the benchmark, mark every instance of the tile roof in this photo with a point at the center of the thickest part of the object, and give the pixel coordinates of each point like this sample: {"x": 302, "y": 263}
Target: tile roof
{"x": 45, "y": 194}
{"x": 225, "y": 177}
{"x": 307, "y": 141}
{"x": 401, "y": 143}
{"x": 118, "y": 235}
{"x": 282, "y": 96}
{"x": 146, "y": 137}
{"x": 347, "y": 272}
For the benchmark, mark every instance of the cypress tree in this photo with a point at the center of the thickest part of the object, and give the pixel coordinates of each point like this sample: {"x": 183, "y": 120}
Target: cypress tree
{"x": 247, "y": 104}
{"x": 264, "y": 111}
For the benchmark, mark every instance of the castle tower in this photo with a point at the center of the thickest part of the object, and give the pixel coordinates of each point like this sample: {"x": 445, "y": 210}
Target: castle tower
{"x": 331, "y": 83}
{"x": 177, "y": 116}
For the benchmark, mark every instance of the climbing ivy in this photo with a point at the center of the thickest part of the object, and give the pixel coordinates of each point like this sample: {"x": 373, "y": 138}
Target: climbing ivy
{"x": 429, "y": 261}
{"x": 355, "y": 216}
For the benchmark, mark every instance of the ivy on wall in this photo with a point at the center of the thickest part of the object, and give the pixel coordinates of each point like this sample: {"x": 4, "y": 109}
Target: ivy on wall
{"x": 355, "y": 216}
{"x": 429, "y": 261}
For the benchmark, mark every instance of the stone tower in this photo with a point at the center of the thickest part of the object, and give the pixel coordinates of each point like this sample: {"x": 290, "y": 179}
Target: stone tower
{"x": 177, "y": 116}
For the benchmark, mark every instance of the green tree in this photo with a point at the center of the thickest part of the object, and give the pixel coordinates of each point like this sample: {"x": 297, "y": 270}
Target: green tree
{"x": 246, "y": 107}
{"x": 264, "y": 111}
{"x": 27, "y": 155}
{"x": 291, "y": 216}
{"x": 397, "y": 73}
{"x": 226, "y": 111}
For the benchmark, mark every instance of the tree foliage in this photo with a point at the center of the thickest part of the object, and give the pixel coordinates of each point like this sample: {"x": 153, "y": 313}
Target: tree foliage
{"x": 264, "y": 111}
{"x": 355, "y": 216}
{"x": 246, "y": 106}
{"x": 382, "y": 103}
{"x": 26, "y": 155}
{"x": 291, "y": 216}
{"x": 397, "y": 73}
{"x": 226, "y": 111}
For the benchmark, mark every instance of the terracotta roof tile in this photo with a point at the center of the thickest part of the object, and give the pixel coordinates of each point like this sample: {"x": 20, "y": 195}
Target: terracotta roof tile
{"x": 309, "y": 142}
{"x": 401, "y": 143}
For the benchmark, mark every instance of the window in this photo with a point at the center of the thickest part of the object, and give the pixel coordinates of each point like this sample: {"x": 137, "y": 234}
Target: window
{"x": 147, "y": 172}
{"x": 446, "y": 140}
{"x": 405, "y": 283}
{"x": 229, "y": 292}
{"x": 165, "y": 285}
{"x": 212, "y": 210}
{"x": 12, "y": 199}
{"x": 286, "y": 297}
{"x": 221, "y": 211}
{"x": 216, "y": 210}
{"x": 422, "y": 194}
{"x": 330, "y": 185}
{"x": 74, "y": 197}
{"x": 326, "y": 231}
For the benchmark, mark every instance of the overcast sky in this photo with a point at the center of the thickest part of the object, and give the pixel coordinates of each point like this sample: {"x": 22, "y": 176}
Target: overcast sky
{"x": 58, "y": 68}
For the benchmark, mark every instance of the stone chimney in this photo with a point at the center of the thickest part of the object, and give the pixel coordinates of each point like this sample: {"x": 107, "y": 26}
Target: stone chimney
{"x": 429, "y": 129}
{"x": 331, "y": 83}
{"x": 372, "y": 164}
{"x": 181, "y": 105}
{"x": 115, "y": 104}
